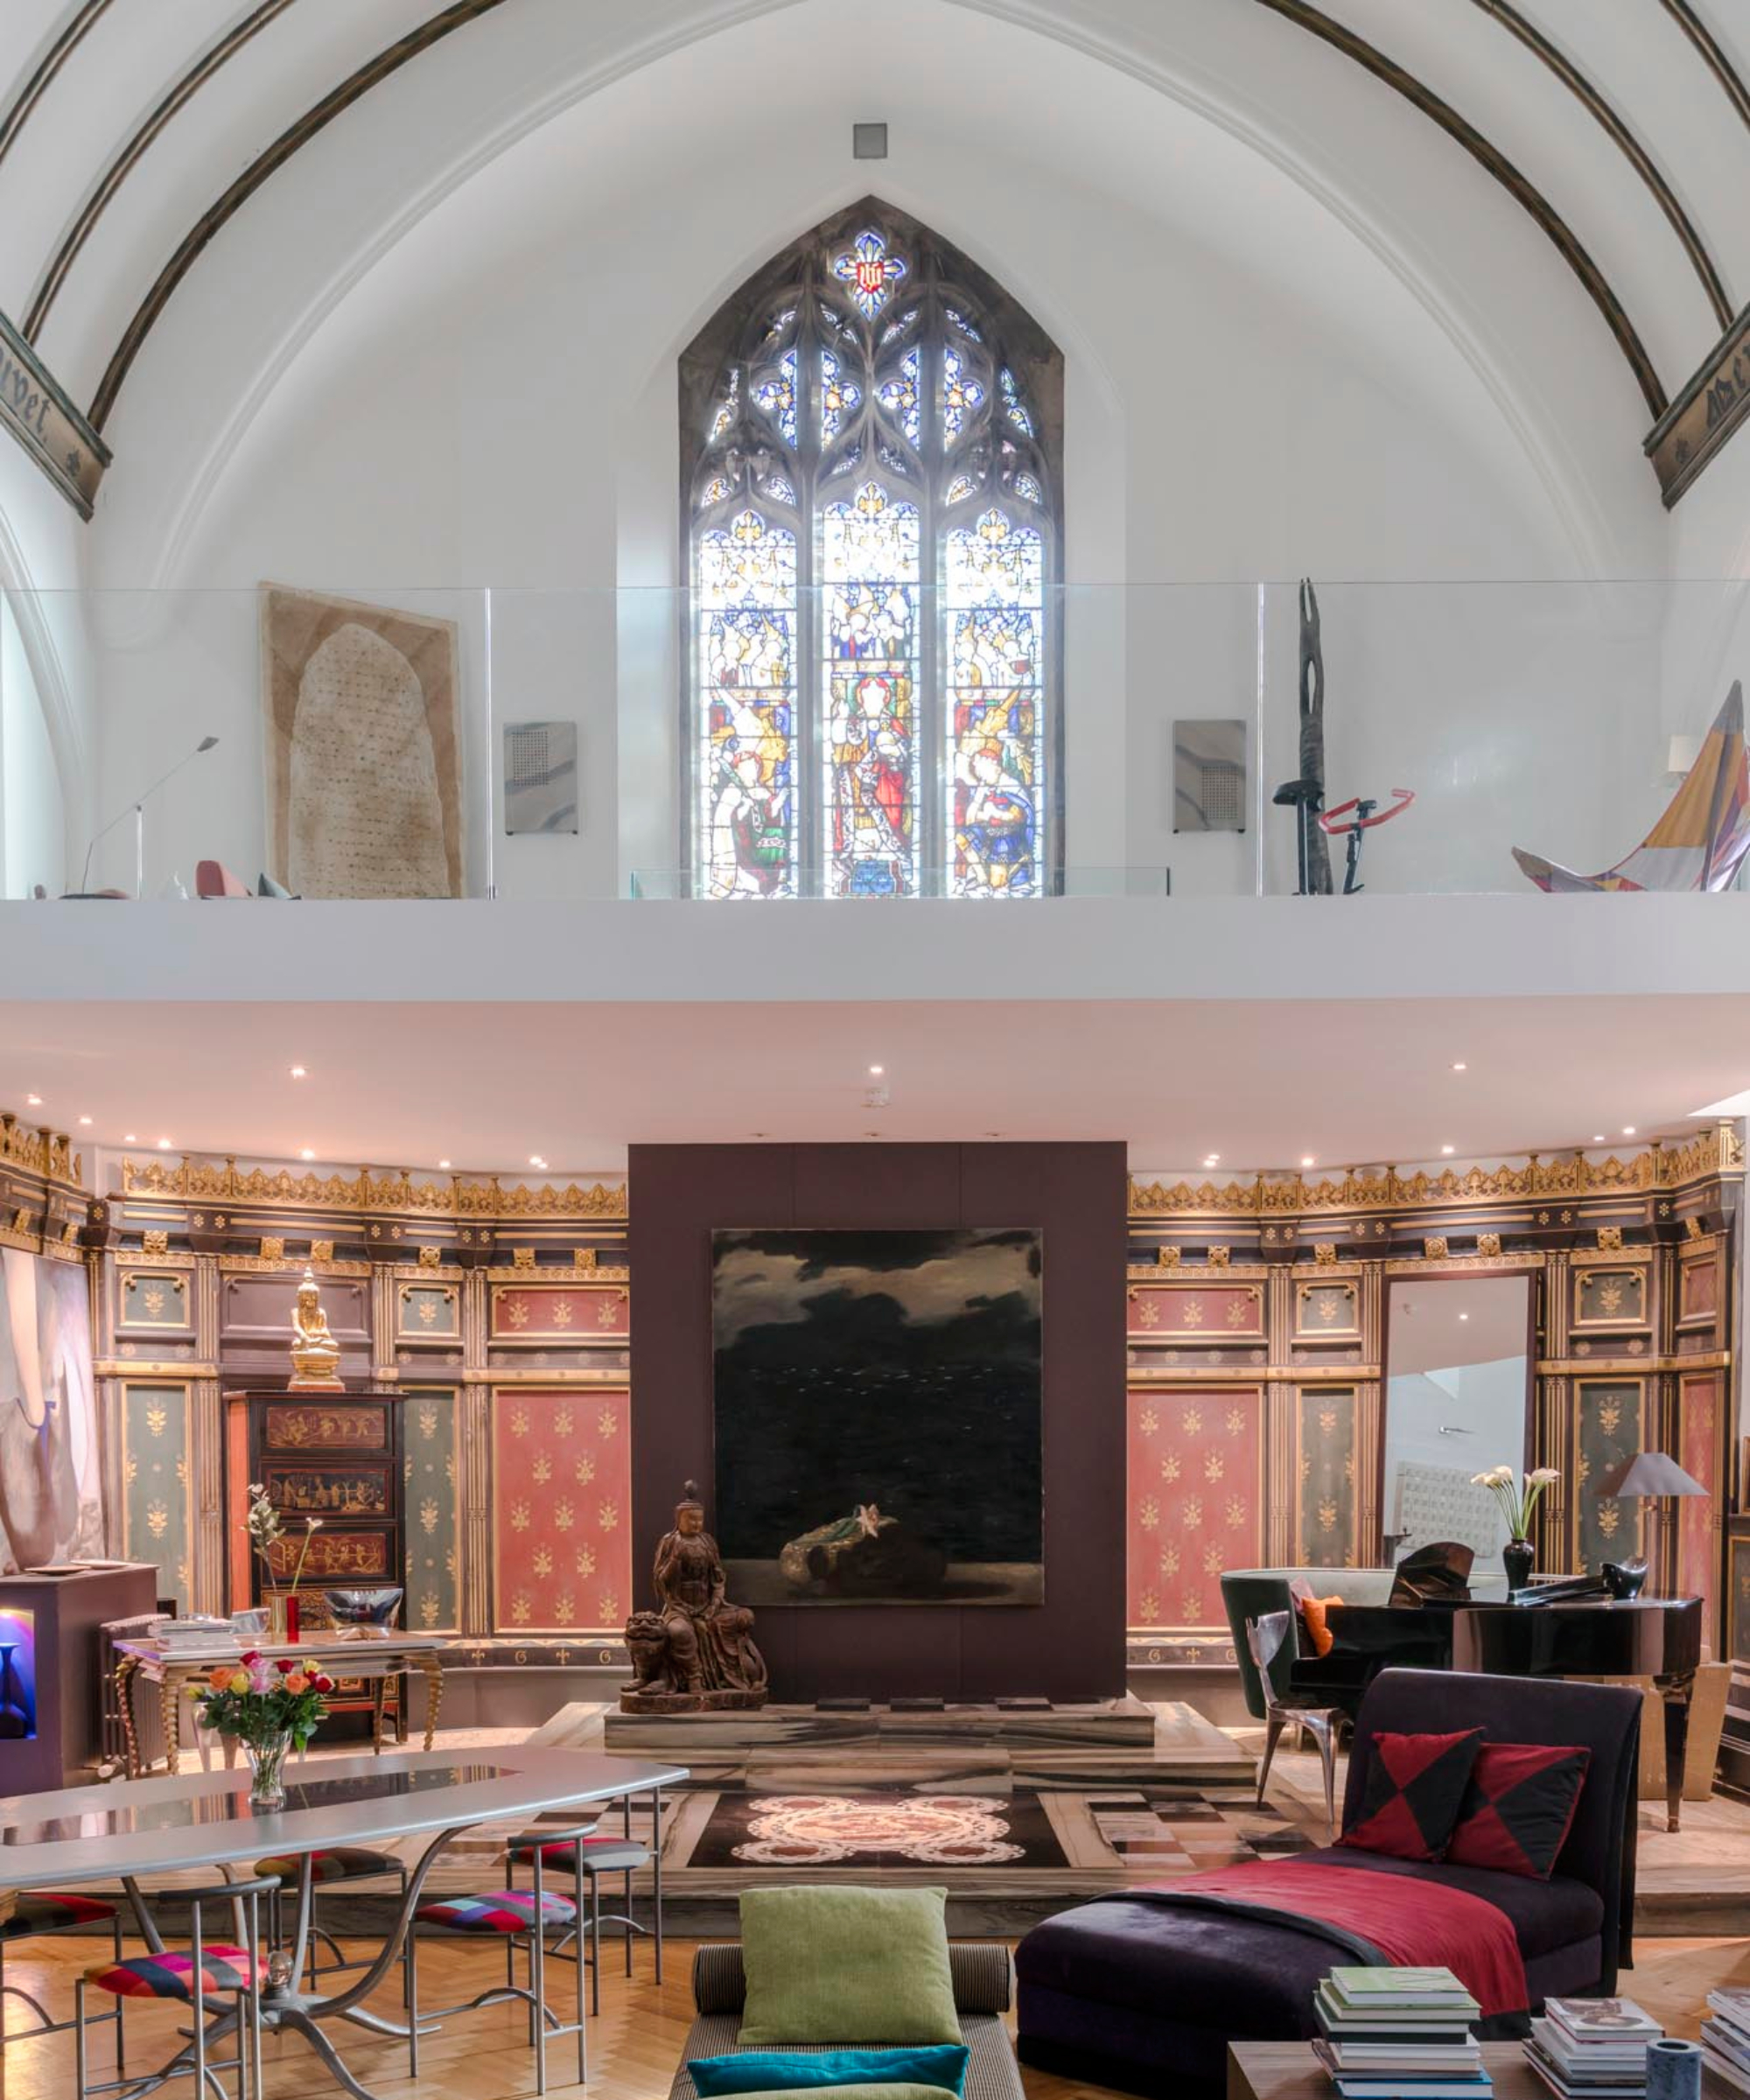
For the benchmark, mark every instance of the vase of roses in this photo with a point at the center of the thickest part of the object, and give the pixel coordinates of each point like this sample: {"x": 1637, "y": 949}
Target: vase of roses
{"x": 1517, "y": 1500}
{"x": 271, "y": 1708}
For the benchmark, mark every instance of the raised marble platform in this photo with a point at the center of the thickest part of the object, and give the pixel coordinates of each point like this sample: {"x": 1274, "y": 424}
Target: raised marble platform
{"x": 909, "y": 1729}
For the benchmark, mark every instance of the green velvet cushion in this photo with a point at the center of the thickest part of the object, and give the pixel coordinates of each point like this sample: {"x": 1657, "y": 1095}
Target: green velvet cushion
{"x": 850, "y": 1965}
{"x": 939, "y": 2066}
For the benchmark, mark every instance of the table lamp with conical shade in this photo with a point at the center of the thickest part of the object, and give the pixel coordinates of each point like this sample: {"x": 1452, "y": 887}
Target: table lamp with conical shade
{"x": 1645, "y": 1476}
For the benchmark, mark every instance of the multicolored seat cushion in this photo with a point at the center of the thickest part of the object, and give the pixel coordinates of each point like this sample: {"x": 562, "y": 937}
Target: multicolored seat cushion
{"x": 340, "y": 1863}
{"x": 50, "y": 1910}
{"x": 171, "y": 1975}
{"x": 600, "y": 1855}
{"x": 503, "y": 1910}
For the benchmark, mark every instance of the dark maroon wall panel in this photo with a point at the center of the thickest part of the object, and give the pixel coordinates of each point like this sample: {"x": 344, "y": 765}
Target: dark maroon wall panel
{"x": 1072, "y": 1646}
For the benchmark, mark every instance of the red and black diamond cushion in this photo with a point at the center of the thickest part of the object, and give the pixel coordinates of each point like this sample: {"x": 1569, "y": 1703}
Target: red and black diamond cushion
{"x": 1415, "y": 1789}
{"x": 52, "y": 1910}
{"x": 171, "y": 1975}
{"x": 503, "y": 1910}
{"x": 339, "y": 1863}
{"x": 1519, "y": 1807}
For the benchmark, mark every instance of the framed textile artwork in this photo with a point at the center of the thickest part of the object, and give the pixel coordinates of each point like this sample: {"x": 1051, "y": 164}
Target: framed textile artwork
{"x": 51, "y": 1494}
{"x": 363, "y": 747}
{"x": 877, "y": 1399}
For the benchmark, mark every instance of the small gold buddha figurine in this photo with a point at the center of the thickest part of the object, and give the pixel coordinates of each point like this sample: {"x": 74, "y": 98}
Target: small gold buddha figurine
{"x": 315, "y": 1354}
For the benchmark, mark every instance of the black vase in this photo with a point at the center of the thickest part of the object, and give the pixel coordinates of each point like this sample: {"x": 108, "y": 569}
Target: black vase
{"x": 1518, "y": 1556}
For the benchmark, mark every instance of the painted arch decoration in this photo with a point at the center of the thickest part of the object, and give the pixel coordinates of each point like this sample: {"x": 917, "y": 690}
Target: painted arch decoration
{"x": 871, "y": 448}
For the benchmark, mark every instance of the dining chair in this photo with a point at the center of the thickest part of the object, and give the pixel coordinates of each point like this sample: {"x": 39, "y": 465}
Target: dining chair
{"x": 522, "y": 1918}
{"x": 209, "y": 1970}
{"x": 1265, "y": 1637}
{"x": 38, "y": 1914}
{"x": 336, "y": 1866}
{"x": 595, "y": 1854}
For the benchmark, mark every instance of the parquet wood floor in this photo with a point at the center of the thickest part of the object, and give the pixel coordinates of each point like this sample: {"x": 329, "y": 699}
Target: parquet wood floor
{"x": 634, "y": 2046}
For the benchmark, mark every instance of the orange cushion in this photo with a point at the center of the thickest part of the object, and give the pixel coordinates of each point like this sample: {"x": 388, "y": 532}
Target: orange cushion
{"x": 1313, "y": 1610}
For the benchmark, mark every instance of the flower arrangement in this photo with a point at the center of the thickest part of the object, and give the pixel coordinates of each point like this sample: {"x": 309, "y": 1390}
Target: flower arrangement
{"x": 1517, "y": 1500}
{"x": 269, "y": 1707}
{"x": 266, "y": 1528}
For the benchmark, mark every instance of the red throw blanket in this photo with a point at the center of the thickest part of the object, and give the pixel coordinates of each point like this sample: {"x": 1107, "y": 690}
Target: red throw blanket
{"x": 1385, "y": 1920}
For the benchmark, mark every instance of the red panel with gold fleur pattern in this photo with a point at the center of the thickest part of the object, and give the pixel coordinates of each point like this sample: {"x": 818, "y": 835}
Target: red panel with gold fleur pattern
{"x": 572, "y": 1313}
{"x": 1195, "y": 1495}
{"x": 1212, "y": 1311}
{"x": 562, "y": 1510}
{"x": 1698, "y": 1406}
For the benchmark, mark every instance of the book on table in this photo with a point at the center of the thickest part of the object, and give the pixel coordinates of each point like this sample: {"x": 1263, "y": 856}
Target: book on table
{"x": 1592, "y": 2048}
{"x": 1399, "y": 2034}
{"x": 1601, "y": 2020}
{"x": 1726, "y": 2038}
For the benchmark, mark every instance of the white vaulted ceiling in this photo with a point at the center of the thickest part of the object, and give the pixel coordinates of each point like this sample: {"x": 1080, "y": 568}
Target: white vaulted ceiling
{"x": 1667, "y": 241}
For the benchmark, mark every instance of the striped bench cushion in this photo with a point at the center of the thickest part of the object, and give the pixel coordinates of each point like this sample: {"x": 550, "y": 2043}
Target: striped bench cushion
{"x": 600, "y": 1855}
{"x": 171, "y": 1975}
{"x": 502, "y": 1910}
{"x": 48, "y": 1910}
{"x": 342, "y": 1863}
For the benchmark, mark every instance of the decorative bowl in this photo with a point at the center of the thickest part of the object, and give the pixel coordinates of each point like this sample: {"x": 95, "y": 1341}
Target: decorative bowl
{"x": 365, "y": 1612}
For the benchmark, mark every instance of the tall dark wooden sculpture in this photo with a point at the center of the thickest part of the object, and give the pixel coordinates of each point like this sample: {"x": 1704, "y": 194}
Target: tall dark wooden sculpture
{"x": 694, "y": 1652}
{"x": 1306, "y": 794}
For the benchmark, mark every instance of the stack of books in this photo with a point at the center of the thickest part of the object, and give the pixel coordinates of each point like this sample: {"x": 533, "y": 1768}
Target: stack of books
{"x": 1399, "y": 2034}
{"x": 1592, "y": 2048}
{"x": 1726, "y": 2038}
{"x": 197, "y": 1636}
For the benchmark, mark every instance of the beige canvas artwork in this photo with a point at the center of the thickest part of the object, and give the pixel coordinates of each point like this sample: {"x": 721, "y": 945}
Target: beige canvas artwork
{"x": 364, "y": 788}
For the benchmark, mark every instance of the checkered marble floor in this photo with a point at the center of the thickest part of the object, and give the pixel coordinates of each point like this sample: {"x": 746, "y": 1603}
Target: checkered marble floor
{"x": 1179, "y": 1831}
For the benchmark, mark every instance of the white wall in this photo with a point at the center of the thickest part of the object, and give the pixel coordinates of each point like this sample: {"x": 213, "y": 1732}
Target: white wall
{"x": 1249, "y": 393}
{"x": 32, "y": 826}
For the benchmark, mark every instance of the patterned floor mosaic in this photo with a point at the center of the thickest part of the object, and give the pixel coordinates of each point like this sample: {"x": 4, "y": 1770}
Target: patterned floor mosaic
{"x": 791, "y": 1831}
{"x": 1174, "y": 1830}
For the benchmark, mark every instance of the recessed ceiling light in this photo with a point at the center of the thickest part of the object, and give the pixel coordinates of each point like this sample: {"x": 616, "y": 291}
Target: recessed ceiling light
{"x": 1309, "y": 1161}
{"x": 86, "y": 1120}
{"x": 1462, "y": 1066}
{"x": 443, "y": 1166}
{"x": 306, "y": 1153}
{"x": 1598, "y": 1138}
{"x": 1628, "y": 1129}
{"x": 1464, "y": 1316}
{"x": 1448, "y": 1150}
{"x": 128, "y": 1138}
{"x": 33, "y": 1100}
{"x": 164, "y": 1145}
{"x": 534, "y": 1159}
{"x": 298, "y": 1072}
{"x": 875, "y": 1071}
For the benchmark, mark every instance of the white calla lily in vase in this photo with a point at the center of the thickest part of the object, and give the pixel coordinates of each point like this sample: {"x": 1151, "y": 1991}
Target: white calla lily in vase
{"x": 1517, "y": 1499}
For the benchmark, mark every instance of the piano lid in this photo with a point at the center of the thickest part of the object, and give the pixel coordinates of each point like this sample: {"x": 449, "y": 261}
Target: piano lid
{"x": 1436, "y": 1574}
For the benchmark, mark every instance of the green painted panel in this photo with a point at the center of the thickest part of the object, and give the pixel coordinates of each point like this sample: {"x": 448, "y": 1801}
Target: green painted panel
{"x": 429, "y": 1464}
{"x": 430, "y": 1309}
{"x": 1327, "y": 1506}
{"x": 1611, "y": 1427}
{"x": 157, "y": 1507}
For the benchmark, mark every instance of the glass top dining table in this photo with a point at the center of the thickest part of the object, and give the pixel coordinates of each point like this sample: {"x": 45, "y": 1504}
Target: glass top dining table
{"x": 136, "y": 1829}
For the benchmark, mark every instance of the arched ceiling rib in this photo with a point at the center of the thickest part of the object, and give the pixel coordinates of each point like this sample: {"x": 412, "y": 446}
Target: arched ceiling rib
{"x": 105, "y": 174}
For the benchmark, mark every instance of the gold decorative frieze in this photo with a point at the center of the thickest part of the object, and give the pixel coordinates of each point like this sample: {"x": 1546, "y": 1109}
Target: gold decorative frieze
{"x": 46, "y": 1153}
{"x": 431, "y": 1256}
{"x": 206, "y": 1181}
{"x": 1705, "y": 413}
{"x": 321, "y": 1250}
{"x": 155, "y": 1242}
{"x": 1434, "y": 1249}
{"x": 1325, "y": 1253}
{"x": 273, "y": 1250}
{"x": 1488, "y": 1244}
{"x": 1714, "y": 1153}
{"x": 43, "y": 420}
{"x": 1220, "y": 1258}
{"x": 522, "y": 1257}
{"x": 1610, "y": 1239}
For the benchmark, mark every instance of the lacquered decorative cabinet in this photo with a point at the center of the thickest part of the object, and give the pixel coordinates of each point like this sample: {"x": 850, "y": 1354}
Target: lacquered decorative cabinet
{"x": 332, "y": 1457}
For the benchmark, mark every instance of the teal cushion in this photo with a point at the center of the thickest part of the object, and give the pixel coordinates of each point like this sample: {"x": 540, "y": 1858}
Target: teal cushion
{"x": 861, "y": 2092}
{"x": 772, "y": 2071}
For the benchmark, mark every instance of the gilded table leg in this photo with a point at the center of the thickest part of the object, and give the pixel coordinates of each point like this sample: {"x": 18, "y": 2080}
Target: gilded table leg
{"x": 125, "y": 1671}
{"x": 171, "y": 1718}
{"x": 434, "y": 1694}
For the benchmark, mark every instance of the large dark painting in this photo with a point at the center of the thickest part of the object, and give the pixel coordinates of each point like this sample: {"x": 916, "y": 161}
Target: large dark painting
{"x": 877, "y": 1415}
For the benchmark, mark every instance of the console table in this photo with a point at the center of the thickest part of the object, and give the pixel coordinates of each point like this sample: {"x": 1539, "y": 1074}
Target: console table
{"x": 375, "y": 1659}
{"x": 1288, "y": 2070}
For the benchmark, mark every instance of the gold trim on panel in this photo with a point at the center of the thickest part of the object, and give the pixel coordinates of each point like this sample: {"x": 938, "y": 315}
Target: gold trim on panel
{"x": 427, "y": 1284}
{"x": 203, "y": 1182}
{"x": 1601, "y": 1284}
{"x": 153, "y": 1368}
{"x": 1327, "y": 1279}
{"x": 1633, "y": 1366}
{"x": 1225, "y": 1374}
{"x": 1193, "y": 1286}
{"x": 532, "y": 1284}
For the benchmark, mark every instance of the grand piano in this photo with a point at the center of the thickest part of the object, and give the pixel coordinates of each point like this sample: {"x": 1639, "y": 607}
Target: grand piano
{"x": 1562, "y": 1628}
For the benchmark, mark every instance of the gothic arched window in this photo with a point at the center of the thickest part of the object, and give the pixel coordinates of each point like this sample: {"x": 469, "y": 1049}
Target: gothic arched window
{"x": 870, "y": 475}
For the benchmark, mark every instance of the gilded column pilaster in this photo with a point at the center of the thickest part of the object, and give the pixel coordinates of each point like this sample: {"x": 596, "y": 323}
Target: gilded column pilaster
{"x": 474, "y": 1531}
{"x": 206, "y": 1447}
{"x": 1281, "y": 1488}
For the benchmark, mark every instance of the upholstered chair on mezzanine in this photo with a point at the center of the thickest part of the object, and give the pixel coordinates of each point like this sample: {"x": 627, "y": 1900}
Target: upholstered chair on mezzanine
{"x": 1265, "y": 1638}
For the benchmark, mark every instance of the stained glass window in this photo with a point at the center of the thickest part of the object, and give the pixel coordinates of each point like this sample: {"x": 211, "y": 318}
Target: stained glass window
{"x": 872, "y": 493}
